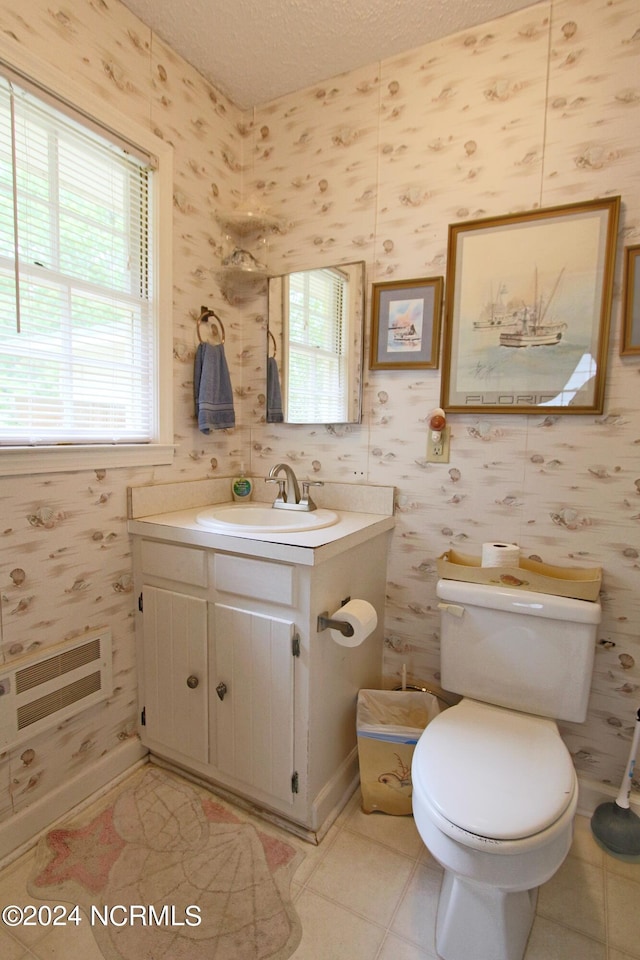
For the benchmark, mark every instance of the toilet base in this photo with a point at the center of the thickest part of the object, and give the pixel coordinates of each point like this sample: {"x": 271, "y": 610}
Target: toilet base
{"x": 480, "y": 922}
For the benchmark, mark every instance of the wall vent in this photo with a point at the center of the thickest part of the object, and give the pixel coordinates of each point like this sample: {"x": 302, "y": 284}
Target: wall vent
{"x": 61, "y": 681}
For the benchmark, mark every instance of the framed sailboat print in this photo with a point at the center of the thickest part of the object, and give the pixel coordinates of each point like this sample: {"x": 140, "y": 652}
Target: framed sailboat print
{"x": 405, "y": 324}
{"x": 527, "y": 311}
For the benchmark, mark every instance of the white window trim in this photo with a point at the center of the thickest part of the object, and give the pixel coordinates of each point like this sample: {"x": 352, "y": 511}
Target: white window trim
{"x": 19, "y": 461}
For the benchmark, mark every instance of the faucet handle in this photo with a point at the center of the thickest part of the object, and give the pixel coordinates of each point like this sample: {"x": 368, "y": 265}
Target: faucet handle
{"x": 281, "y": 481}
{"x": 305, "y": 499}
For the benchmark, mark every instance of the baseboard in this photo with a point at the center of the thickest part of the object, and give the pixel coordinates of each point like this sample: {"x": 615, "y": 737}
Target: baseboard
{"x": 592, "y": 793}
{"x": 333, "y": 814}
{"x": 22, "y": 831}
{"x": 335, "y": 794}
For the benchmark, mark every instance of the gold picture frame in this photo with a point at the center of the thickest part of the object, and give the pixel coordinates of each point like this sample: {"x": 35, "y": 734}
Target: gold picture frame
{"x": 630, "y": 343}
{"x": 527, "y": 310}
{"x": 405, "y": 324}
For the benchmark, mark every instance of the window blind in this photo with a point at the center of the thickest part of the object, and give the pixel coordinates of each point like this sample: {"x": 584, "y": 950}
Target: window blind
{"x": 77, "y": 317}
{"x": 317, "y": 369}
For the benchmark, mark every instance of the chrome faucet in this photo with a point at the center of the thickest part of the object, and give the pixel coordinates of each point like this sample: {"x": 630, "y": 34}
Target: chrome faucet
{"x": 288, "y": 497}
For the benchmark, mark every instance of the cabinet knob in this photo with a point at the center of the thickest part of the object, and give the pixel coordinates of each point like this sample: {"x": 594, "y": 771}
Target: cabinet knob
{"x": 221, "y": 689}
{"x": 192, "y": 682}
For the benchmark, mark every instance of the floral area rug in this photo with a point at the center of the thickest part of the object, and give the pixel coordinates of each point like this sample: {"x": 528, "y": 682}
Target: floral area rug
{"x": 176, "y": 873}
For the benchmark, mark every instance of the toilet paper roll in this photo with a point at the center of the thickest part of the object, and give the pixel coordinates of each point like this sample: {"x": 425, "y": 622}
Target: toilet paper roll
{"x": 500, "y": 555}
{"x": 363, "y": 618}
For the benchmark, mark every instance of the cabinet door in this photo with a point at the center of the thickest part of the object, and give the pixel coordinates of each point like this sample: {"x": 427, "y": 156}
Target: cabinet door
{"x": 252, "y": 726}
{"x": 175, "y": 673}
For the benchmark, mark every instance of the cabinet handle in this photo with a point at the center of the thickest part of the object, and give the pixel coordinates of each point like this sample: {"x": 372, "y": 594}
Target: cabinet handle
{"x": 221, "y": 689}
{"x": 192, "y": 682}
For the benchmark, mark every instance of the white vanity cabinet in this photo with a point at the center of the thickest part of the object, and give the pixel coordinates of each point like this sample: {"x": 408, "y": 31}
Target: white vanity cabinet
{"x": 238, "y": 687}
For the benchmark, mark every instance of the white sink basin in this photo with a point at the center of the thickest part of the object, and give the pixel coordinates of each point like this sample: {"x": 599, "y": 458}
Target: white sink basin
{"x": 254, "y": 518}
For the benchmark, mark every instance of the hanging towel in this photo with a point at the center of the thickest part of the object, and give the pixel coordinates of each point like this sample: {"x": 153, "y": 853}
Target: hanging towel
{"x": 212, "y": 390}
{"x": 274, "y": 396}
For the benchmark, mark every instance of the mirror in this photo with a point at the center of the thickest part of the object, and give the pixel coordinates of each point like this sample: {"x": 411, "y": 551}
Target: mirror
{"x": 315, "y": 345}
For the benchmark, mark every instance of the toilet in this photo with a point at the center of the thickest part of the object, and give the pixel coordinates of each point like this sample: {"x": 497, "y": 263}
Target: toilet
{"x": 494, "y": 787}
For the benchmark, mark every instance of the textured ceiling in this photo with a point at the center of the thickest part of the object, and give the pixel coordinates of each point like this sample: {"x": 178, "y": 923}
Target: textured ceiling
{"x": 254, "y": 52}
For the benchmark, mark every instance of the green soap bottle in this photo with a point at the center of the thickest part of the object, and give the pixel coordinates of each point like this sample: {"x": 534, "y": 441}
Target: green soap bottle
{"x": 242, "y": 487}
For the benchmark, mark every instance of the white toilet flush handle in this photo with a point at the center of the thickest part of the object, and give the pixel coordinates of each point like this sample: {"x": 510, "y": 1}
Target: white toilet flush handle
{"x": 452, "y": 608}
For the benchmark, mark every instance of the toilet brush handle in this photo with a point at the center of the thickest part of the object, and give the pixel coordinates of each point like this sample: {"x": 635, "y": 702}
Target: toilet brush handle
{"x": 622, "y": 800}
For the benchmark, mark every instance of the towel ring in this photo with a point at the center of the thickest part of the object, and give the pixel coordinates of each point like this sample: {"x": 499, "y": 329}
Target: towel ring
{"x": 275, "y": 345}
{"x": 205, "y": 314}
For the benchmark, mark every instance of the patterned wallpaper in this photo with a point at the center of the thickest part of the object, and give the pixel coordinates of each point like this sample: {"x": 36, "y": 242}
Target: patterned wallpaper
{"x": 535, "y": 109}
{"x": 538, "y": 108}
{"x": 65, "y": 564}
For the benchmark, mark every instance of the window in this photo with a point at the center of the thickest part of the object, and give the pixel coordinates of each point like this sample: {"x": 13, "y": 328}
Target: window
{"x": 80, "y": 330}
{"x": 317, "y": 382}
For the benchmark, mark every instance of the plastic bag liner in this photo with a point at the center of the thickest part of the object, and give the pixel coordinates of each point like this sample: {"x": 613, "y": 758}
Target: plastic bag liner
{"x": 389, "y": 724}
{"x": 398, "y": 716}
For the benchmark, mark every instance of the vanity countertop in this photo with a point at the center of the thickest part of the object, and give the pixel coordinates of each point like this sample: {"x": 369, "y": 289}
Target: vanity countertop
{"x": 310, "y": 547}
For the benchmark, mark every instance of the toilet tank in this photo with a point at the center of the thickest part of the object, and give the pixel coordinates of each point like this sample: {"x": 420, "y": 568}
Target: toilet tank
{"x": 527, "y": 651}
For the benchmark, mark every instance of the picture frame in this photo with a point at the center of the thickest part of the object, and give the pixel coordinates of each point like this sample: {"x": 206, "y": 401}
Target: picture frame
{"x": 527, "y": 310}
{"x": 630, "y": 342}
{"x": 405, "y": 324}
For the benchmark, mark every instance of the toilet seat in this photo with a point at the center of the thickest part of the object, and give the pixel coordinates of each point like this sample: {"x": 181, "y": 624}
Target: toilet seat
{"x": 494, "y": 773}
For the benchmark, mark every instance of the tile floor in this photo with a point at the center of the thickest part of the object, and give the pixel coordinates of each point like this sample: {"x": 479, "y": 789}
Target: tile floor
{"x": 369, "y": 892}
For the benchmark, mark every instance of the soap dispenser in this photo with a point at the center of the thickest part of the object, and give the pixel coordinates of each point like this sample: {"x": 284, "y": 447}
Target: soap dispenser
{"x": 242, "y": 486}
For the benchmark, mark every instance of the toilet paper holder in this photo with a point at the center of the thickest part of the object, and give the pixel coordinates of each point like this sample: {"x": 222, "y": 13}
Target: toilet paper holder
{"x": 325, "y": 622}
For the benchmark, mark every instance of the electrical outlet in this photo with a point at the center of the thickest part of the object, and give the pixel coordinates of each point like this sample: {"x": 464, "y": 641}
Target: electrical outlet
{"x": 438, "y": 450}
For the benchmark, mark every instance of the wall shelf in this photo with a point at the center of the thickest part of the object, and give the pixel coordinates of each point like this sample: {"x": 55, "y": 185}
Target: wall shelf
{"x": 243, "y": 273}
{"x": 243, "y": 224}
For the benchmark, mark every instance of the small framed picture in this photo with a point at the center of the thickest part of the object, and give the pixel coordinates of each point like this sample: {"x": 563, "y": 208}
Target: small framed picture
{"x": 630, "y": 343}
{"x": 405, "y": 324}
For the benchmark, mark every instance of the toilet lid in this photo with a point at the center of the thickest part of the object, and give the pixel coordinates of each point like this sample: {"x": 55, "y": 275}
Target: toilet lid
{"x": 494, "y": 772}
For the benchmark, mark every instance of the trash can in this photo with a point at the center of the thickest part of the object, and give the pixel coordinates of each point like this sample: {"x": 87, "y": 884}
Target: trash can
{"x": 388, "y": 726}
